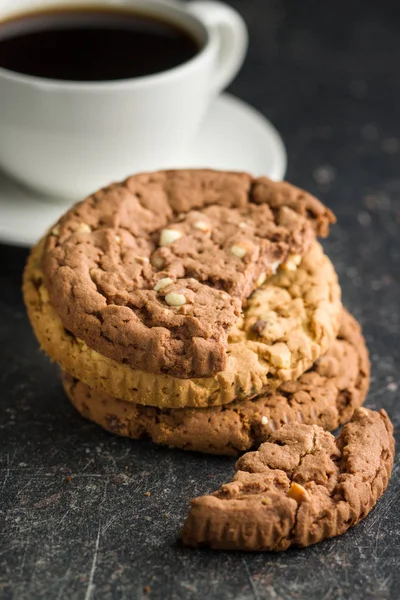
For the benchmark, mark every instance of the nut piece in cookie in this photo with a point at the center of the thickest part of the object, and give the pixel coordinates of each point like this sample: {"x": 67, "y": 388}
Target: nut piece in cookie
{"x": 298, "y": 492}
{"x": 300, "y": 487}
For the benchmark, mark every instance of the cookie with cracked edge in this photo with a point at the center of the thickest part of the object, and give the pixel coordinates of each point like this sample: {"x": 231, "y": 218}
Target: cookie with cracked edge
{"x": 286, "y": 326}
{"x": 327, "y": 395}
{"x": 297, "y": 489}
{"x": 153, "y": 272}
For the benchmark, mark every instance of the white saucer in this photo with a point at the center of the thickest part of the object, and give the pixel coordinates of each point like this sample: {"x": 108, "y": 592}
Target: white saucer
{"x": 234, "y": 137}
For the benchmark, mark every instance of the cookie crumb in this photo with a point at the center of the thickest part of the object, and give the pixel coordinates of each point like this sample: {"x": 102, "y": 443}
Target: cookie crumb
{"x": 147, "y": 494}
{"x": 147, "y": 589}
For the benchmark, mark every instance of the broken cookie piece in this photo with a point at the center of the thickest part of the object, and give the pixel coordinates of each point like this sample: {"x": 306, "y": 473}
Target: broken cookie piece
{"x": 300, "y": 487}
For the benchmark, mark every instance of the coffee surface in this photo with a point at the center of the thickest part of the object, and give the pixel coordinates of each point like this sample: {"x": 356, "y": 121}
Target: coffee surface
{"x": 92, "y": 44}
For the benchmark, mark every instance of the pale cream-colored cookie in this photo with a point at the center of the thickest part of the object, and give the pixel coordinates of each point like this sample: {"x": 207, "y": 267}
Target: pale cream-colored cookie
{"x": 287, "y": 325}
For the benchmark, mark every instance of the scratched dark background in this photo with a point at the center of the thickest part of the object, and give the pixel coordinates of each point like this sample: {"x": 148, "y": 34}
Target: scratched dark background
{"x": 75, "y": 522}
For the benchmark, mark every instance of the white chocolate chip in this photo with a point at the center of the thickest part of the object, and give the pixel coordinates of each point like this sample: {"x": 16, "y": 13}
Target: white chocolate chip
{"x": 261, "y": 279}
{"x": 238, "y": 250}
{"x": 55, "y": 230}
{"x": 264, "y": 421}
{"x": 242, "y": 225}
{"x": 118, "y": 239}
{"x": 169, "y": 236}
{"x": 83, "y": 228}
{"x": 275, "y": 265}
{"x": 280, "y": 356}
{"x": 175, "y": 299}
{"x": 202, "y": 226}
{"x": 292, "y": 262}
{"x": 162, "y": 283}
{"x": 158, "y": 262}
{"x": 142, "y": 259}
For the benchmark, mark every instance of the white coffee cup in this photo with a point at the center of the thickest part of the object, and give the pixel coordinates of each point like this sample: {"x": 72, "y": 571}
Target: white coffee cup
{"x": 66, "y": 139}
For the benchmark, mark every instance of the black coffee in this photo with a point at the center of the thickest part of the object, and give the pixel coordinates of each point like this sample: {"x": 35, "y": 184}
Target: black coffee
{"x": 92, "y": 44}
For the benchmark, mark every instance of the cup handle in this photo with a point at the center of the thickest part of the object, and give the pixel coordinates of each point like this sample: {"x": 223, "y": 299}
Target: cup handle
{"x": 230, "y": 31}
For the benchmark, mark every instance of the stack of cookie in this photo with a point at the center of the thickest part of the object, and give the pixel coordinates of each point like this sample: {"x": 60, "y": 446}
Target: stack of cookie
{"x": 198, "y": 308}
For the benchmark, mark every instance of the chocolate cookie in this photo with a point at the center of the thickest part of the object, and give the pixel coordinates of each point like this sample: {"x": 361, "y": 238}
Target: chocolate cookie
{"x": 285, "y": 327}
{"x": 327, "y": 395}
{"x": 153, "y": 272}
{"x": 300, "y": 487}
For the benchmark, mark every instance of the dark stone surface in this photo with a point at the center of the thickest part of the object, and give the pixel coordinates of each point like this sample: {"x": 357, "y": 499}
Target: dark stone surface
{"x": 75, "y": 522}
